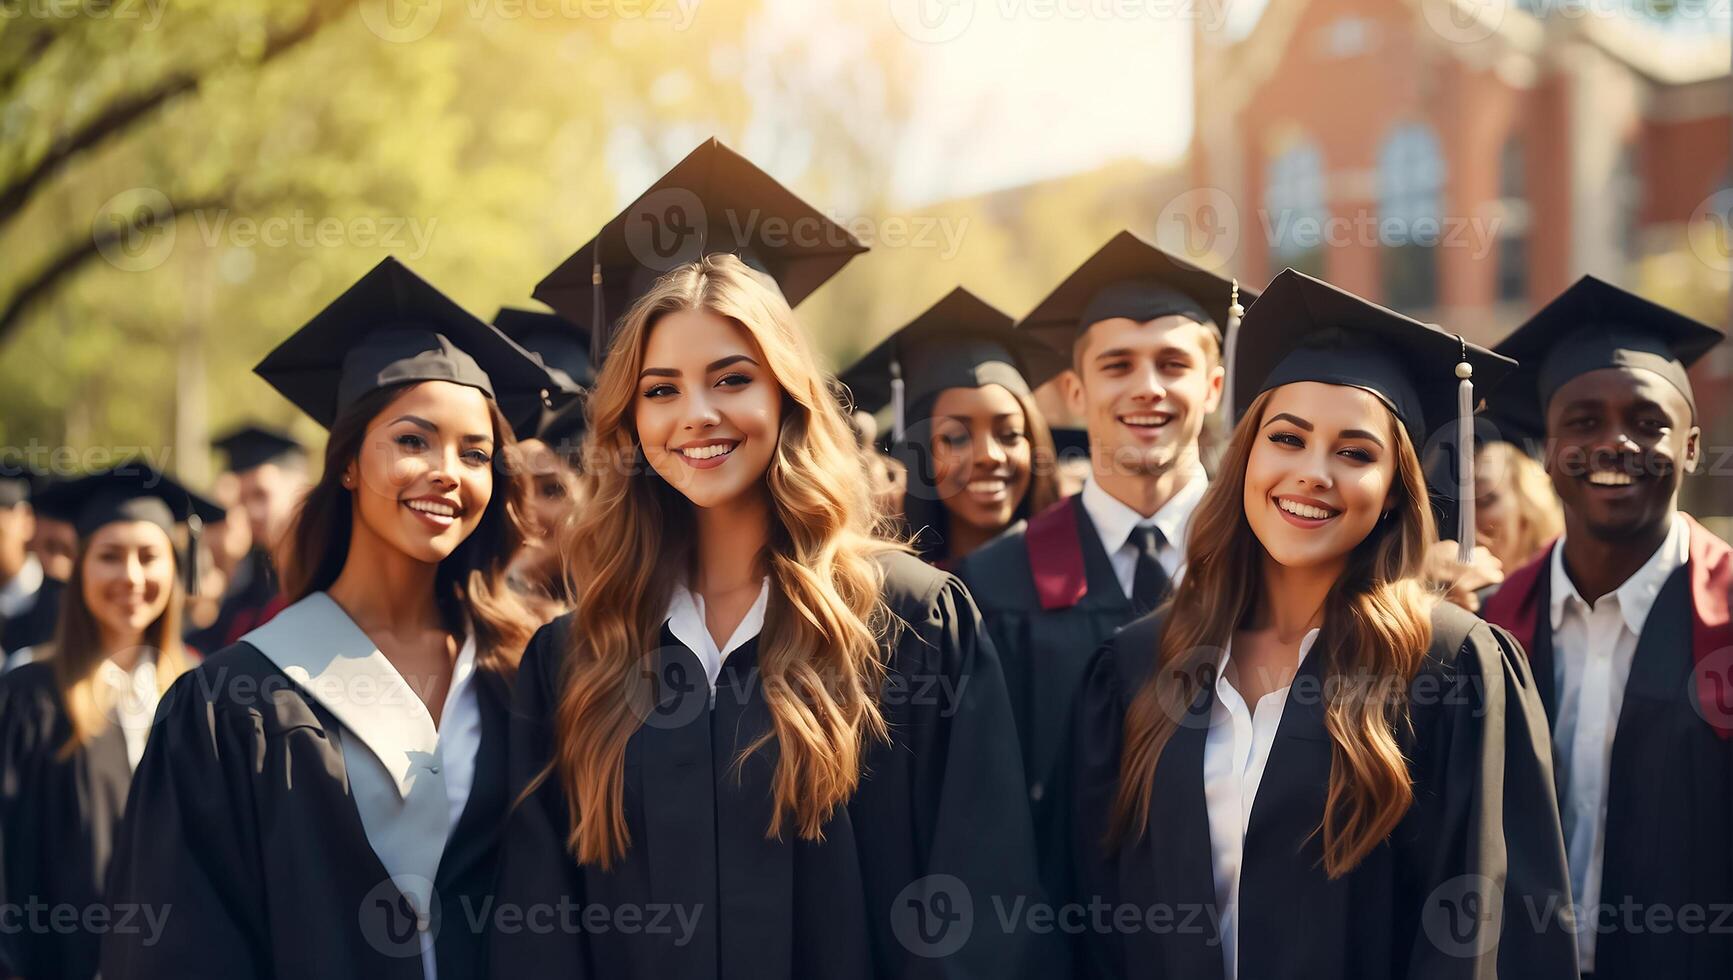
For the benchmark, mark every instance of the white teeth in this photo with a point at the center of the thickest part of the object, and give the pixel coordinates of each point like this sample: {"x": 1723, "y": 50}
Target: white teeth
{"x": 987, "y": 486}
{"x": 1143, "y": 419}
{"x": 433, "y": 509}
{"x": 1607, "y": 478}
{"x": 709, "y": 452}
{"x": 1307, "y": 511}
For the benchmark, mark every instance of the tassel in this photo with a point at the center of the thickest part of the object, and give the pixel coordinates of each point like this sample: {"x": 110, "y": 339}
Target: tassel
{"x": 897, "y": 423}
{"x": 1464, "y": 458}
{"x": 598, "y": 325}
{"x": 191, "y": 572}
{"x": 1230, "y": 339}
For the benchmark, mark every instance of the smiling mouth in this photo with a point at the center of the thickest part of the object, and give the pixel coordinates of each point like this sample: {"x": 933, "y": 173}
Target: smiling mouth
{"x": 1305, "y": 514}
{"x": 708, "y": 454}
{"x": 437, "y": 513}
{"x": 1609, "y": 478}
{"x": 991, "y": 487}
{"x": 1146, "y": 420}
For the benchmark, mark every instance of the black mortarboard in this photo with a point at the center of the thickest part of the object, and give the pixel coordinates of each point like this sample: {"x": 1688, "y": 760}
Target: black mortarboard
{"x": 959, "y": 342}
{"x": 715, "y": 200}
{"x": 562, "y": 345}
{"x": 1305, "y": 329}
{"x": 132, "y": 492}
{"x": 19, "y": 481}
{"x": 1131, "y": 278}
{"x": 393, "y": 327}
{"x": 1594, "y": 325}
{"x": 252, "y": 446}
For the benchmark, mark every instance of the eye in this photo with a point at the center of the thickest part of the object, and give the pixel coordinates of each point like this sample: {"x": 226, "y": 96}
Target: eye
{"x": 953, "y": 440}
{"x": 411, "y": 442}
{"x": 553, "y": 490}
{"x": 1357, "y": 454}
{"x": 1011, "y": 438}
{"x": 734, "y": 380}
{"x": 1175, "y": 366}
{"x": 1287, "y": 439}
{"x": 659, "y": 391}
{"x": 477, "y": 457}
{"x": 1114, "y": 367}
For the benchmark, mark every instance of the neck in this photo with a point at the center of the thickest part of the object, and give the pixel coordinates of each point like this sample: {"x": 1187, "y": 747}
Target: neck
{"x": 960, "y": 538}
{"x": 122, "y": 646}
{"x": 731, "y": 541}
{"x": 383, "y": 588}
{"x": 1147, "y": 493}
{"x": 1597, "y": 566}
{"x": 1291, "y": 601}
{"x": 11, "y": 564}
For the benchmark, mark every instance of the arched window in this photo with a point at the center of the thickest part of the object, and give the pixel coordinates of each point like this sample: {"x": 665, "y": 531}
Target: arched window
{"x": 1295, "y": 211}
{"x": 1410, "y": 192}
{"x": 1513, "y": 224}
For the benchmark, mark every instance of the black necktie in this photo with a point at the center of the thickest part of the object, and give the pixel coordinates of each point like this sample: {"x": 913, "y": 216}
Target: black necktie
{"x": 1149, "y": 583}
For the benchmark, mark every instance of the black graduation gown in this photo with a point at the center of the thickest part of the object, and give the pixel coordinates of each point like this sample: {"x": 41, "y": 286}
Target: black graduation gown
{"x": 1667, "y": 856}
{"x": 1482, "y": 814}
{"x": 251, "y": 597}
{"x": 242, "y": 826}
{"x": 34, "y": 626}
{"x": 1049, "y": 596}
{"x": 58, "y": 821}
{"x": 935, "y": 829}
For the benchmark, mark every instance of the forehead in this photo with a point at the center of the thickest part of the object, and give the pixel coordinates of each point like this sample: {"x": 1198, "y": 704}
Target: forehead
{"x": 1331, "y": 408}
{"x": 1124, "y": 333}
{"x": 1621, "y": 387}
{"x": 442, "y": 402}
{"x": 129, "y": 534}
{"x": 986, "y": 401}
{"x": 685, "y": 338}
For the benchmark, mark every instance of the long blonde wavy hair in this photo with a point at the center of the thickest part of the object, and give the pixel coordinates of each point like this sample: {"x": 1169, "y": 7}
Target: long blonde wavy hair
{"x": 1376, "y": 628}
{"x": 820, "y": 663}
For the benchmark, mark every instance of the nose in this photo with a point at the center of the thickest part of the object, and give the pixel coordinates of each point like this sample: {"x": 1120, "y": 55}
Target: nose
{"x": 134, "y": 572}
{"x": 443, "y": 475}
{"x": 1146, "y": 382}
{"x": 701, "y": 412}
{"x": 1313, "y": 471}
{"x": 990, "y": 455}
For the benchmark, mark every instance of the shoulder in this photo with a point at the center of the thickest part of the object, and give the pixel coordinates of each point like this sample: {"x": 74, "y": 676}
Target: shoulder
{"x": 1468, "y": 662}
{"x": 238, "y": 688}
{"x": 27, "y": 680}
{"x": 544, "y": 660}
{"x": 911, "y": 586}
{"x": 998, "y": 573}
{"x": 29, "y": 695}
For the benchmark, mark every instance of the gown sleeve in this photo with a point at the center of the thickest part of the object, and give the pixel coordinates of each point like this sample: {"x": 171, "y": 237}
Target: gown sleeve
{"x": 1482, "y": 844}
{"x": 537, "y": 873}
{"x": 186, "y": 854}
{"x": 1088, "y": 787}
{"x": 22, "y": 738}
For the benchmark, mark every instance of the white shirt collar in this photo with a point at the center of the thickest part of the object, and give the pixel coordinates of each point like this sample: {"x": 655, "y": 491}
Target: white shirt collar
{"x": 15, "y": 595}
{"x": 133, "y": 696}
{"x": 685, "y": 620}
{"x": 1114, "y": 520}
{"x": 1637, "y": 595}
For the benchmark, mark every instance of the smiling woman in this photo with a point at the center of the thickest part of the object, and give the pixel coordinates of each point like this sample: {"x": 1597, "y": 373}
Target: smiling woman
{"x": 366, "y": 722}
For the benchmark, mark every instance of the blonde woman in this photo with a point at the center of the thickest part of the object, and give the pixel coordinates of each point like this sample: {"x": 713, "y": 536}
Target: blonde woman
{"x": 74, "y": 721}
{"x": 788, "y": 737}
{"x": 1515, "y": 510}
{"x": 1338, "y": 775}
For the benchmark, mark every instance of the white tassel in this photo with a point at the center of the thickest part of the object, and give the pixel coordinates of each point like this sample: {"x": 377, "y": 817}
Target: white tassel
{"x": 1465, "y": 533}
{"x": 1230, "y": 340}
{"x": 897, "y": 424}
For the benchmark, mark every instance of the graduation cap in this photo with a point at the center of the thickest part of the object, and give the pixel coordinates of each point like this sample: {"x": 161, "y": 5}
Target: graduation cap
{"x": 1305, "y": 329}
{"x": 562, "y": 345}
{"x": 393, "y": 327}
{"x": 715, "y": 200}
{"x": 252, "y": 446}
{"x": 1590, "y": 326}
{"x": 959, "y": 342}
{"x": 132, "y": 492}
{"x": 1131, "y": 278}
{"x": 1070, "y": 441}
{"x": 19, "y": 481}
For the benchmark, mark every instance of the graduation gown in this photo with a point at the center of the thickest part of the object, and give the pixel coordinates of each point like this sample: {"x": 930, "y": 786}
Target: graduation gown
{"x": 1668, "y": 849}
{"x": 34, "y": 626}
{"x": 58, "y": 820}
{"x": 1049, "y": 596}
{"x": 902, "y": 884}
{"x": 1424, "y": 903}
{"x": 243, "y": 826}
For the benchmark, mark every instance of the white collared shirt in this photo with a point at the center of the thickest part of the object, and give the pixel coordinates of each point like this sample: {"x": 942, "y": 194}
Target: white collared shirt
{"x": 133, "y": 697}
{"x": 1114, "y": 522}
{"x": 1235, "y": 751}
{"x": 685, "y": 620}
{"x": 18, "y": 595}
{"x": 1593, "y": 647}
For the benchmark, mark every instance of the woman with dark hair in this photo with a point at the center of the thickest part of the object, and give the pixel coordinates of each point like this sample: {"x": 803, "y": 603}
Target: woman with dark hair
{"x": 1332, "y": 772}
{"x": 784, "y": 732}
{"x": 74, "y": 721}
{"x": 322, "y": 798}
{"x": 978, "y": 453}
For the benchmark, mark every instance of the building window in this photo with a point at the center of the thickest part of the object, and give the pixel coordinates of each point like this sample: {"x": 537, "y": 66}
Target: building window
{"x": 1295, "y": 212}
{"x": 1410, "y": 190}
{"x": 1513, "y": 218}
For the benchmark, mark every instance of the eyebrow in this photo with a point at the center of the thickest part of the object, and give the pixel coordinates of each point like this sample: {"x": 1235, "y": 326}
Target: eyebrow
{"x": 1346, "y": 433}
{"x": 716, "y": 365}
{"x": 1285, "y": 417}
{"x": 1363, "y": 434}
{"x": 421, "y": 423}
